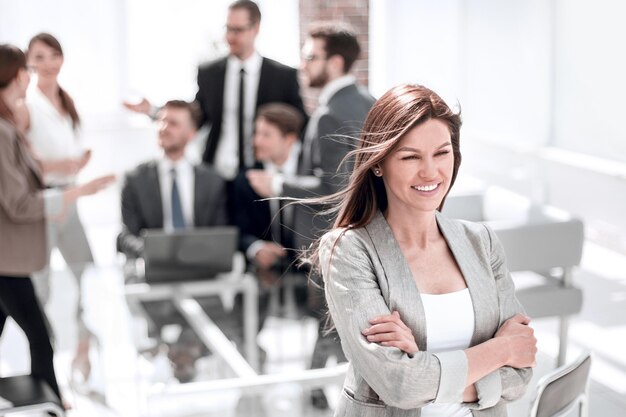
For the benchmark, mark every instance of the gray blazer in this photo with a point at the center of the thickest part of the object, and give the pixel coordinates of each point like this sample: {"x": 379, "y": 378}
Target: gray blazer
{"x": 331, "y": 133}
{"x": 142, "y": 207}
{"x": 366, "y": 275}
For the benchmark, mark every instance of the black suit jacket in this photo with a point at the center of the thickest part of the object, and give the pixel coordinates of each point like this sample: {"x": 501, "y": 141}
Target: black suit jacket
{"x": 277, "y": 83}
{"x": 142, "y": 206}
{"x": 252, "y": 214}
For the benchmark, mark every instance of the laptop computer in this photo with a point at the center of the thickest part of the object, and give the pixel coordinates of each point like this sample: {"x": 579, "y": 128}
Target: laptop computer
{"x": 189, "y": 254}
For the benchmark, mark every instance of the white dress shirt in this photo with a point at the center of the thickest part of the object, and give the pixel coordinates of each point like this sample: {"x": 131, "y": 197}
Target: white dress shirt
{"x": 227, "y": 153}
{"x": 52, "y": 134}
{"x": 288, "y": 169}
{"x": 185, "y": 180}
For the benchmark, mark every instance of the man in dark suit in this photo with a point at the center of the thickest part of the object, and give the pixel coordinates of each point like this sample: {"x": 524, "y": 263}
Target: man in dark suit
{"x": 148, "y": 200}
{"x": 265, "y": 231}
{"x": 266, "y": 237}
{"x": 230, "y": 89}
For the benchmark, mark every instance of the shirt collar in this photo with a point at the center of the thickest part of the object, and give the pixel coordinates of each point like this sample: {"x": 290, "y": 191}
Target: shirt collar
{"x": 335, "y": 85}
{"x": 252, "y": 65}
{"x": 166, "y": 164}
{"x": 291, "y": 164}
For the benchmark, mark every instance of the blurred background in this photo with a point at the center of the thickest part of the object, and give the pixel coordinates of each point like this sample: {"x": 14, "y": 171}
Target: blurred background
{"x": 540, "y": 84}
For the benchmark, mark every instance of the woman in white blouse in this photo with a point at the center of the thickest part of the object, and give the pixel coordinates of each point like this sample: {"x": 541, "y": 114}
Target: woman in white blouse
{"x": 52, "y": 126}
{"x": 424, "y": 305}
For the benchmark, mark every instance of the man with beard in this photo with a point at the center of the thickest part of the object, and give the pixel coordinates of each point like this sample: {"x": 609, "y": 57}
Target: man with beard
{"x": 329, "y": 52}
{"x": 328, "y": 55}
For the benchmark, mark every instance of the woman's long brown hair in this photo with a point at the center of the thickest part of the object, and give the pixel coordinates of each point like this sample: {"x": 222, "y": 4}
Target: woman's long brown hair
{"x": 12, "y": 59}
{"x": 66, "y": 101}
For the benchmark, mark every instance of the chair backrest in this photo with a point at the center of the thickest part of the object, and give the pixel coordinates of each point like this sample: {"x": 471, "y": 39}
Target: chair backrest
{"x": 542, "y": 246}
{"x": 562, "y": 389}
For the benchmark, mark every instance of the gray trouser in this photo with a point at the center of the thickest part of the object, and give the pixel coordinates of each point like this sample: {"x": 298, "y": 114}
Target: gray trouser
{"x": 69, "y": 237}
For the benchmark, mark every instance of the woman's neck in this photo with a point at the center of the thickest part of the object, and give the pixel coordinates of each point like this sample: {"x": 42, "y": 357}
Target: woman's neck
{"x": 49, "y": 88}
{"x": 413, "y": 228}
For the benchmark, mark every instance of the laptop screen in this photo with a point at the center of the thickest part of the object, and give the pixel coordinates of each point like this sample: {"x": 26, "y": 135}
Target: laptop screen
{"x": 189, "y": 254}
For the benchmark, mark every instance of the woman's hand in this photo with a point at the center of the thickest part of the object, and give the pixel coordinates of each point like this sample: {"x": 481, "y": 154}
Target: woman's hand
{"x": 519, "y": 341}
{"x": 67, "y": 166}
{"x": 391, "y": 331}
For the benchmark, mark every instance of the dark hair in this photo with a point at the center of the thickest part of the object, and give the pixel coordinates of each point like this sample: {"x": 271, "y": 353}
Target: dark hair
{"x": 287, "y": 118}
{"x": 66, "y": 101}
{"x": 192, "y": 108}
{"x": 12, "y": 59}
{"x": 339, "y": 39}
{"x": 392, "y": 116}
{"x": 250, "y": 6}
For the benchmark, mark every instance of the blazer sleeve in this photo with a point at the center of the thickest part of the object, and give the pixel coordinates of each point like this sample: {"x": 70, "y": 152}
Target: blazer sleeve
{"x": 201, "y": 98}
{"x": 128, "y": 241}
{"x": 507, "y": 383}
{"x": 353, "y": 295}
{"x": 332, "y": 150}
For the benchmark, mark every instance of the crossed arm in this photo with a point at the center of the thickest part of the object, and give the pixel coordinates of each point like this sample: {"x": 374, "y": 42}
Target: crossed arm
{"x": 382, "y": 348}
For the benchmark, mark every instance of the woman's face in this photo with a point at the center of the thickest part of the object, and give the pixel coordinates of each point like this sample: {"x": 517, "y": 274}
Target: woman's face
{"x": 418, "y": 171}
{"x": 45, "y": 61}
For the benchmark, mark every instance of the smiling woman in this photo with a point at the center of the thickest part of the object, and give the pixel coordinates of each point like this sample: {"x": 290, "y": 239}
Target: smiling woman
{"x": 424, "y": 305}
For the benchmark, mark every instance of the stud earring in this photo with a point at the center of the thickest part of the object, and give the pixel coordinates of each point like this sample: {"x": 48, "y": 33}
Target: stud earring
{"x": 377, "y": 172}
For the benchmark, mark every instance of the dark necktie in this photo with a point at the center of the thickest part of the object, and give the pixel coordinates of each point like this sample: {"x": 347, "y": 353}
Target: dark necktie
{"x": 178, "y": 221}
{"x": 242, "y": 159}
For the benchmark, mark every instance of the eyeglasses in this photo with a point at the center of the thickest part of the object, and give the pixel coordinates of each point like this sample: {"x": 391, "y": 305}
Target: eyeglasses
{"x": 236, "y": 30}
{"x": 311, "y": 58}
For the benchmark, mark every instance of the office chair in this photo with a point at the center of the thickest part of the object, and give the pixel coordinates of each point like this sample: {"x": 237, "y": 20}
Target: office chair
{"x": 563, "y": 389}
{"x": 25, "y": 393}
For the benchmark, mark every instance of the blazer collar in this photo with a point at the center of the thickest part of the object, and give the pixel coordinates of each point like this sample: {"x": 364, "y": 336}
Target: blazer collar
{"x": 468, "y": 258}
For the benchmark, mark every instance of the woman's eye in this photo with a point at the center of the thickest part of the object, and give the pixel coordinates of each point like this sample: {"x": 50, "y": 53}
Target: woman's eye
{"x": 409, "y": 157}
{"x": 442, "y": 153}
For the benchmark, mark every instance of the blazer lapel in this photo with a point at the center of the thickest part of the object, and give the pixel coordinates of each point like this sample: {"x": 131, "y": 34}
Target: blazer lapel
{"x": 264, "y": 84}
{"x": 403, "y": 293}
{"x": 474, "y": 269}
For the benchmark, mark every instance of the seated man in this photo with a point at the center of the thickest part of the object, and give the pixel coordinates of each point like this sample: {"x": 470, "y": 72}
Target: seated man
{"x": 170, "y": 193}
{"x": 265, "y": 232}
{"x": 264, "y": 236}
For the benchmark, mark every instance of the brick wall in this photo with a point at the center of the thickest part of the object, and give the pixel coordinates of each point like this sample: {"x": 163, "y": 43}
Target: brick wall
{"x": 354, "y": 12}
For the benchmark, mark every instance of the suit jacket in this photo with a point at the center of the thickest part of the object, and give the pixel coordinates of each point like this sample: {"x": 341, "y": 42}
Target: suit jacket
{"x": 142, "y": 206}
{"x": 252, "y": 214}
{"x": 22, "y": 209}
{"x": 366, "y": 275}
{"x": 277, "y": 83}
{"x": 331, "y": 134}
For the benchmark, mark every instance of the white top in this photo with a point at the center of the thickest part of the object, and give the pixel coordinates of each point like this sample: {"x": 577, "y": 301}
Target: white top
{"x": 51, "y": 134}
{"x": 185, "y": 180}
{"x": 449, "y": 326}
{"x": 227, "y": 154}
